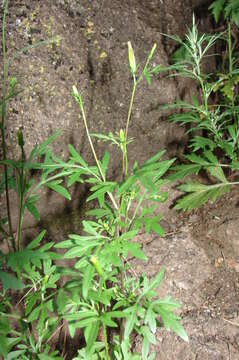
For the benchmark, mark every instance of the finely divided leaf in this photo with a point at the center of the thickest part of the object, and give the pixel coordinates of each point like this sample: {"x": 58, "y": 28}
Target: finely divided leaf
{"x": 172, "y": 322}
{"x": 76, "y": 156}
{"x": 216, "y": 8}
{"x": 55, "y": 185}
{"x": 34, "y": 243}
{"x": 200, "y": 194}
{"x": 184, "y": 170}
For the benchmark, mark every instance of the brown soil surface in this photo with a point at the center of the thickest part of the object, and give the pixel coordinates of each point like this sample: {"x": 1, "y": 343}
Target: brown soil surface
{"x": 201, "y": 255}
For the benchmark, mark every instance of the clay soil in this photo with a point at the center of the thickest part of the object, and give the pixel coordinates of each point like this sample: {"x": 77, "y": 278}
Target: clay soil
{"x": 201, "y": 256}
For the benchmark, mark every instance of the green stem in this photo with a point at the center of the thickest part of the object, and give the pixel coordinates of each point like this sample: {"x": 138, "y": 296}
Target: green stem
{"x": 230, "y": 60}
{"x": 125, "y": 158}
{"x": 4, "y": 89}
{"x": 136, "y": 82}
{"x": 106, "y": 342}
{"x": 125, "y": 174}
{"x": 230, "y": 48}
{"x": 94, "y": 152}
{"x": 130, "y": 110}
{"x": 122, "y": 323}
{"x": 2, "y": 125}
{"x": 20, "y": 209}
{"x": 224, "y": 184}
{"x": 204, "y": 94}
{"x": 21, "y": 182}
{"x": 91, "y": 144}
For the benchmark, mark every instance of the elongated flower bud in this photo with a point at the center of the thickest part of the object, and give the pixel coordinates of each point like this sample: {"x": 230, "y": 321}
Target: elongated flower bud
{"x": 97, "y": 266}
{"x": 132, "y": 62}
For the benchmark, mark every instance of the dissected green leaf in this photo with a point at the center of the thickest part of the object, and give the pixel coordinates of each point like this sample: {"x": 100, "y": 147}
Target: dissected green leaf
{"x": 183, "y": 170}
{"x": 127, "y": 184}
{"x": 100, "y": 213}
{"x": 135, "y": 250}
{"x": 55, "y": 185}
{"x": 78, "y": 251}
{"x": 217, "y": 172}
{"x": 200, "y": 194}
{"x": 232, "y": 9}
{"x": 173, "y": 323}
{"x": 199, "y": 142}
{"x": 216, "y": 8}
{"x": 43, "y": 147}
{"x": 76, "y": 156}
{"x": 101, "y": 190}
{"x": 34, "y": 243}
{"x": 31, "y": 207}
{"x": 154, "y": 283}
{"x": 19, "y": 259}
{"x": 170, "y": 320}
{"x": 152, "y": 224}
{"x": 155, "y": 158}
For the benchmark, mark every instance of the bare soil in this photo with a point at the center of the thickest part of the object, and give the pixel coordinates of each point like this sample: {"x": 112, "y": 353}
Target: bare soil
{"x": 201, "y": 256}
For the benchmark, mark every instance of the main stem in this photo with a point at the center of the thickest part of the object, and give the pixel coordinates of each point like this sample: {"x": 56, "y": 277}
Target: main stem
{"x": 125, "y": 174}
{"x": 125, "y": 159}
{"x": 130, "y": 110}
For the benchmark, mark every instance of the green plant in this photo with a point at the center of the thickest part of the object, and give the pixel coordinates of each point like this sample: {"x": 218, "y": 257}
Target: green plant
{"x": 110, "y": 294}
{"x": 34, "y": 326}
{"x": 17, "y": 172}
{"x": 213, "y": 127}
{"x": 20, "y": 265}
{"x": 102, "y": 295}
{"x": 111, "y": 301}
{"x": 229, "y": 8}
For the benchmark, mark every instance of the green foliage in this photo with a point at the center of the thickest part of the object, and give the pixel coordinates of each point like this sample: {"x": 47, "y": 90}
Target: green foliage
{"x": 26, "y": 188}
{"x": 213, "y": 127}
{"x": 110, "y": 295}
{"x": 229, "y": 9}
{"x": 38, "y": 310}
{"x": 101, "y": 294}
